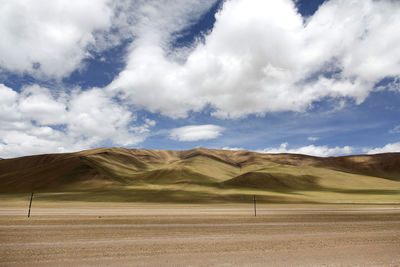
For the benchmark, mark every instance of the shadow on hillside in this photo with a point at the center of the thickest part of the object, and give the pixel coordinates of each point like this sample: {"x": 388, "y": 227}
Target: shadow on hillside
{"x": 274, "y": 182}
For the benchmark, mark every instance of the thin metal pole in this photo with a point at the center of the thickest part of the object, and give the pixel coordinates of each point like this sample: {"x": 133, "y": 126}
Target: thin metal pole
{"x": 30, "y": 205}
{"x": 255, "y": 206}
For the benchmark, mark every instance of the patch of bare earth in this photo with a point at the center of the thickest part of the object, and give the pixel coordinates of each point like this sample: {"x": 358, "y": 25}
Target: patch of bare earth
{"x": 202, "y": 235}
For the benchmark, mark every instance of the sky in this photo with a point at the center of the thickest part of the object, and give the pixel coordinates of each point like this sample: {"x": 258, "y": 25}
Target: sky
{"x": 286, "y": 76}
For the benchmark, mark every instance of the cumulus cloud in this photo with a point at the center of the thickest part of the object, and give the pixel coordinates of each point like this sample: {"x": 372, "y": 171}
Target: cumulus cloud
{"x": 158, "y": 22}
{"x": 196, "y": 132}
{"x": 261, "y": 56}
{"x": 38, "y": 104}
{"x": 49, "y": 37}
{"x": 394, "y": 147}
{"x": 319, "y": 151}
{"x": 8, "y": 104}
{"x": 35, "y": 121}
{"x": 312, "y": 138}
{"x": 49, "y": 40}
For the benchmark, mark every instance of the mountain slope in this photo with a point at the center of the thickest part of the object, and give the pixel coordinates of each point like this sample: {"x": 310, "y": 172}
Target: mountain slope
{"x": 205, "y": 175}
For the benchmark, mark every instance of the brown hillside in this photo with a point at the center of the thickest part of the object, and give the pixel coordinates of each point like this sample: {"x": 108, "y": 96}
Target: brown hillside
{"x": 217, "y": 174}
{"x": 381, "y": 165}
{"x": 55, "y": 175}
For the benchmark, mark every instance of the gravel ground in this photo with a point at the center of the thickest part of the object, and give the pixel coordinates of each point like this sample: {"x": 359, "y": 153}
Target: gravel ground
{"x": 201, "y": 235}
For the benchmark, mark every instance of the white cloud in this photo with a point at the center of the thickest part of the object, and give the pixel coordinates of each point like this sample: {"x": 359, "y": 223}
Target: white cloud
{"x": 394, "y": 147}
{"x": 196, "y": 132}
{"x": 37, "y": 103}
{"x": 8, "y": 104}
{"x": 395, "y": 130}
{"x": 261, "y": 57}
{"x": 233, "y": 148}
{"x": 319, "y": 151}
{"x": 49, "y": 40}
{"x": 93, "y": 115}
{"x": 49, "y": 37}
{"x": 158, "y": 22}
{"x": 312, "y": 138}
{"x": 394, "y": 85}
{"x": 35, "y": 121}
{"x": 145, "y": 128}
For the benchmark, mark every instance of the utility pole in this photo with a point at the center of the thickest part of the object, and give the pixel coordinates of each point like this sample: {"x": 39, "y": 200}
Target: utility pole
{"x": 255, "y": 206}
{"x": 30, "y": 205}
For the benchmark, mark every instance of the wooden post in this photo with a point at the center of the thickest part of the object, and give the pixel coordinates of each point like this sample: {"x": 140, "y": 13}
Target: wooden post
{"x": 30, "y": 205}
{"x": 255, "y": 207}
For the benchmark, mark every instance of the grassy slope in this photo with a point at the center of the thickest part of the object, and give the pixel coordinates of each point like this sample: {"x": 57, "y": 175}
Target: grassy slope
{"x": 202, "y": 175}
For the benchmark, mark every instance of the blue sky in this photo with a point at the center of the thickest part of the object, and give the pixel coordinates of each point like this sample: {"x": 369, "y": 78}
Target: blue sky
{"x": 312, "y": 77}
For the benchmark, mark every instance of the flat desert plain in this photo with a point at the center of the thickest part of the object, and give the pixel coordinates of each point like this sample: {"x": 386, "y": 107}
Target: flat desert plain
{"x": 93, "y": 234}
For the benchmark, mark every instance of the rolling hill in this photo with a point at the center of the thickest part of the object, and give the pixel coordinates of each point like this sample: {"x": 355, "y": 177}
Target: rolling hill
{"x": 203, "y": 175}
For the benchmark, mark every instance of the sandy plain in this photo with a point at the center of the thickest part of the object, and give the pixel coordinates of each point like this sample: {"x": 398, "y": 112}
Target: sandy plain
{"x": 94, "y": 234}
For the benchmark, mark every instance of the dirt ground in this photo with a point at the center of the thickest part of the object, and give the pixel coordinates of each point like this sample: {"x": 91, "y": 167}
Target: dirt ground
{"x": 200, "y": 235}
